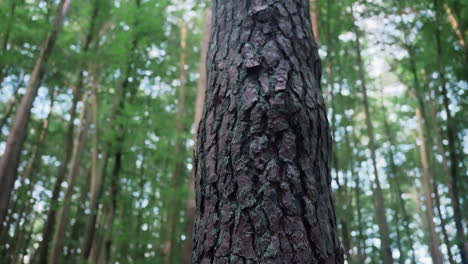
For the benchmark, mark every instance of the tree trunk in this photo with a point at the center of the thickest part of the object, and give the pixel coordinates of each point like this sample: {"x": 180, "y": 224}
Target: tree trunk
{"x": 190, "y": 207}
{"x": 178, "y": 173}
{"x": 68, "y": 147}
{"x": 379, "y": 199}
{"x": 10, "y": 160}
{"x": 96, "y": 185}
{"x": 6, "y": 38}
{"x": 395, "y": 185}
{"x": 11, "y": 104}
{"x": 452, "y": 138}
{"x": 314, "y": 17}
{"x": 96, "y": 173}
{"x": 263, "y": 183}
{"x": 425, "y": 182}
{"x": 72, "y": 174}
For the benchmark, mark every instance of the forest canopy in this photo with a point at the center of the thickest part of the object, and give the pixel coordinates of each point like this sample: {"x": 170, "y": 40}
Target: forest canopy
{"x": 104, "y": 158}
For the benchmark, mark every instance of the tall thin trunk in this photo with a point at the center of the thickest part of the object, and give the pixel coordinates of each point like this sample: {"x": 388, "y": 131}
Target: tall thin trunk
{"x": 113, "y": 202}
{"x": 190, "y": 207}
{"x": 360, "y": 253}
{"x": 6, "y": 38}
{"x": 263, "y": 179}
{"x": 68, "y": 145}
{"x": 178, "y": 172}
{"x": 394, "y": 183}
{"x": 62, "y": 218}
{"x": 434, "y": 246}
{"x": 453, "y": 21}
{"x": 11, "y": 104}
{"x": 452, "y": 138}
{"x": 314, "y": 17}
{"x": 28, "y": 181}
{"x": 11, "y": 158}
{"x": 97, "y": 188}
{"x": 379, "y": 199}
{"x": 96, "y": 174}
{"x": 428, "y": 151}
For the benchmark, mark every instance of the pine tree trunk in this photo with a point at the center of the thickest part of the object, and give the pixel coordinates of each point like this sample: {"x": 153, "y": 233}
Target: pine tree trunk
{"x": 452, "y": 138}
{"x": 379, "y": 199}
{"x": 96, "y": 184}
{"x": 395, "y": 185}
{"x": 62, "y": 218}
{"x": 263, "y": 183}
{"x": 6, "y": 37}
{"x": 178, "y": 173}
{"x": 190, "y": 207}
{"x": 314, "y": 17}
{"x": 425, "y": 181}
{"x": 11, "y": 104}
{"x": 97, "y": 173}
{"x": 10, "y": 160}
{"x": 67, "y": 151}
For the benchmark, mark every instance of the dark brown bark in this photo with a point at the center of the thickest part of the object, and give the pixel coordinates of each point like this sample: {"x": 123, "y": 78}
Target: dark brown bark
{"x": 263, "y": 183}
{"x": 10, "y": 160}
{"x": 190, "y": 207}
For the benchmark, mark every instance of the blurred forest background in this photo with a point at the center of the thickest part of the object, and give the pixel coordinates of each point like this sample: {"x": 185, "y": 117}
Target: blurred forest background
{"x": 114, "y": 87}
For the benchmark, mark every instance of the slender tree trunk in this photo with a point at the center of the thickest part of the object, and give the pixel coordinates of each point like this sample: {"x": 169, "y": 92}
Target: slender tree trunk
{"x": 11, "y": 104}
{"x": 96, "y": 174}
{"x": 263, "y": 181}
{"x": 28, "y": 180}
{"x": 425, "y": 181}
{"x": 68, "y": 145}
{"x": 178, "y": 173}
{"x": 10, "y": 160}
{"x": 6, "y": 38}
{"x": 190, "y": 207}
{"x": 452, "y": 138}
{"x": 394, "y": 183}
{"x": 97, "y": 189}
{"x": 314, "y": 17}
{"x": 379, "y": 199}
{"x": 453, "y": 21}
{"x": 72, "y": 174}
{"x": 360, "y": 255}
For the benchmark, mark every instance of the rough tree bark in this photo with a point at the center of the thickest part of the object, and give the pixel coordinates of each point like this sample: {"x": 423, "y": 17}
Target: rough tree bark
{"x": 10, "y": 160}
{"x": 263, "y": 183}
{"x": 190, "y": 207}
